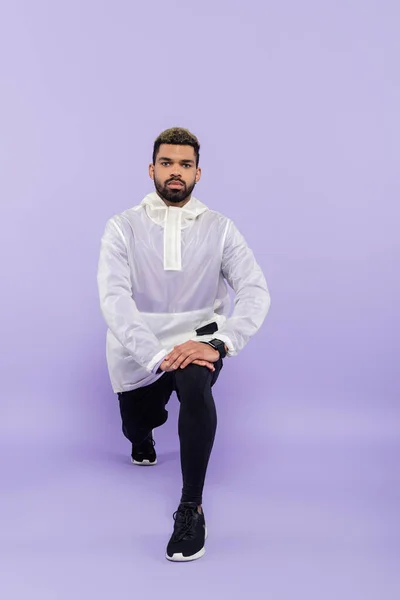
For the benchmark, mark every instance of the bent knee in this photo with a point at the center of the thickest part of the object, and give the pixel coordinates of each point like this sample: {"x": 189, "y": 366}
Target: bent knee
{"x": 193, "y": 370}
{"x": 195, "y": 377}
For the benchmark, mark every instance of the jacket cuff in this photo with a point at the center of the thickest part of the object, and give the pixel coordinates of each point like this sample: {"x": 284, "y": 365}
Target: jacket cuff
{"x": 157, "y": 360}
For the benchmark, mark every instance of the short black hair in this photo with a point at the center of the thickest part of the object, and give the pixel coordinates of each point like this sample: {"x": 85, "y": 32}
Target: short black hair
{"x": 177, "y": 136}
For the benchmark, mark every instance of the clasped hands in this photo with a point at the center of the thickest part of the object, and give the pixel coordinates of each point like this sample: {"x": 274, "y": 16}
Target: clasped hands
{"x": 197, "y": 353}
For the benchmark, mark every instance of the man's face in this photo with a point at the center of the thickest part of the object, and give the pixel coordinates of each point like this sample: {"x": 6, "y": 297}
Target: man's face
{"x": 174, "y": 173}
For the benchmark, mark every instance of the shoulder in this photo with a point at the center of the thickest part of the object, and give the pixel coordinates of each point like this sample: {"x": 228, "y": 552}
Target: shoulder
{"x": 126, "y": 218}
{"x": 119, "y": 227}
{"x": 217, "y": 217}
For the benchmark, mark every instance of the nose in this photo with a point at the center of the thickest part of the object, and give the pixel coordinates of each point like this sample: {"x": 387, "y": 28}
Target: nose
{"x": 176, "y": 171}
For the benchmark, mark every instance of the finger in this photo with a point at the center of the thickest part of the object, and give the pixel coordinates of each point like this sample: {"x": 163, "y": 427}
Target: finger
{"x": 186, "y": 358}
{"x": 189, "y": 346}
{"x": 204, "y": 363}
{"x": 166, "y": 366}
{"x": 179, "y": 349}
{"x": 175, "y": 362}
{"x": 209, "y": 365}
{"x": 174, "y": 357}
{"x": 191, "y": 358}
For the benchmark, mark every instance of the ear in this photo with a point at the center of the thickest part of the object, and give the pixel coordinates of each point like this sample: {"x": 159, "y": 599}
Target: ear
{"x": 151, "y": 171}
{"x": 198, "y": 175}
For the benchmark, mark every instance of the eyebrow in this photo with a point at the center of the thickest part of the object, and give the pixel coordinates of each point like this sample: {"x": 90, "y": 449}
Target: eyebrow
{"x": 184, "y": 160}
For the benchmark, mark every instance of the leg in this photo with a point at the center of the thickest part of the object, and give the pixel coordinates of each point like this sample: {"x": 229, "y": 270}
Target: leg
{"x": 197, "y": 425}
{"x": 143, "y": 409}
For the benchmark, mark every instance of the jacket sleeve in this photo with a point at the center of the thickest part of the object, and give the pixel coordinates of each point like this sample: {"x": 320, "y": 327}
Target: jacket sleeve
{"x": 116, "y": 302}
{"x": 252, "y": 297}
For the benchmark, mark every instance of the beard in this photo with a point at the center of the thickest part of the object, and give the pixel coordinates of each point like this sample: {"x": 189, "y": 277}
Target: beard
{"x": 171, "y": 195}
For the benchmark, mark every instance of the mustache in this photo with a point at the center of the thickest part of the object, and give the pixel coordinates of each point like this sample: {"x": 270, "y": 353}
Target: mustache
{"x": 172, "y": 180}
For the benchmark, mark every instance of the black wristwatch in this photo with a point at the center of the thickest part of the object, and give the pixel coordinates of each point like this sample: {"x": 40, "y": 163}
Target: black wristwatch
{"x": 217, "y": 345}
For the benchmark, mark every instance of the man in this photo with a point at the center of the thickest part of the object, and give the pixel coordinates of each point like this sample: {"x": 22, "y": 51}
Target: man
{"x": 162, "y": 278}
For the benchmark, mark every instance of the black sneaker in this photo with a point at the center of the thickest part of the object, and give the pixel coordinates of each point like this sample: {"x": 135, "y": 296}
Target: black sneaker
{"x": 144, "y": 454}
{"x": 187, "y": 541}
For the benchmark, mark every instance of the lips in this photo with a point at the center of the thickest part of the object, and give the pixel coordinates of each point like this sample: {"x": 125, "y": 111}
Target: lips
{"x": 175, "y": 184}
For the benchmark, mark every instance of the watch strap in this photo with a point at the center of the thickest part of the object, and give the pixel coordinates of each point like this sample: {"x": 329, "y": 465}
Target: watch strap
{"x": 217, "y": 345}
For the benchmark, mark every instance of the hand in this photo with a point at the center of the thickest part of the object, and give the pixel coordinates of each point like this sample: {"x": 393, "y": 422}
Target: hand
{"x": 165, "y": 366}
{"x": 197, "y": 353}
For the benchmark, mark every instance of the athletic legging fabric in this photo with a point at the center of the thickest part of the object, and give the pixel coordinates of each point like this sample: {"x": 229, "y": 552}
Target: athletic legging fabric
{"x": 143, "y": 409}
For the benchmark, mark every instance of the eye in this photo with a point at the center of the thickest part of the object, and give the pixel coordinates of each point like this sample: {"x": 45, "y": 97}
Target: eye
{"x": 187, "y": 165}
{"x": 165, "y": 163}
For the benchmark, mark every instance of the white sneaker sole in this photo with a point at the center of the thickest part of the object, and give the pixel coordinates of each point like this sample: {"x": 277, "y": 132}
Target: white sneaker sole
{"x": 178, "y": 557}
{"x": 143, "y": 463}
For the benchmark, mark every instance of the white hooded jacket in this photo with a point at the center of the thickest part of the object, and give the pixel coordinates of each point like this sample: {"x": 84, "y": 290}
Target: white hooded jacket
{"x": 162, "y": 274}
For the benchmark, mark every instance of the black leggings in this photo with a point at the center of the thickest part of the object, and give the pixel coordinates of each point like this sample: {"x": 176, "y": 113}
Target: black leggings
{"x": 143, "y": 409}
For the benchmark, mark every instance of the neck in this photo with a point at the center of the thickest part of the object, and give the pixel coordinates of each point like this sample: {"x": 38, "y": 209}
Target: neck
{"x": 178, "y": 204}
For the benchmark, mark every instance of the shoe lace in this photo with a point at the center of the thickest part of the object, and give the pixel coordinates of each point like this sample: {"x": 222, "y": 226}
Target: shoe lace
{"x": 185, "y": 522}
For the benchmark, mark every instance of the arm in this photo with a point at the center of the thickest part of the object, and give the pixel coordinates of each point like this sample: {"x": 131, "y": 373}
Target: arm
{"x": 252, "y": 300}
{"x": 117, "y": 305}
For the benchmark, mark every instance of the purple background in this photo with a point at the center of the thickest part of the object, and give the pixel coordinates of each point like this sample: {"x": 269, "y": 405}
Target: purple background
{"x": 296, "y": 105}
